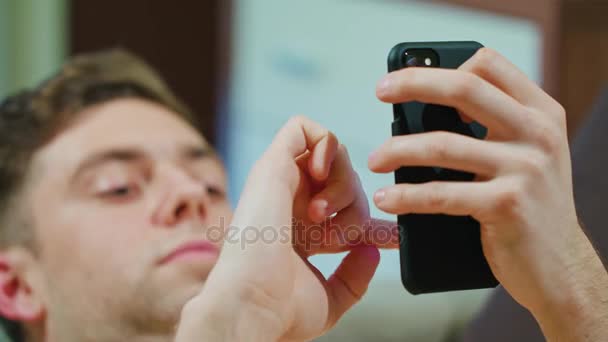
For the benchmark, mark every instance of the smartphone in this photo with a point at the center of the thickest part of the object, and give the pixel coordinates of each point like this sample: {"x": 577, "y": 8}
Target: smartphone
{"x": 437, "y": 252}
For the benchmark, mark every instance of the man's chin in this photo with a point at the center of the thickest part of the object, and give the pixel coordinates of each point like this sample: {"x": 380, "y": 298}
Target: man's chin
{"x": 172, "y": 284}
{"x": 161, "y": 309}
{"x": 174, "y": 288}
{"x": 185, "y": 273}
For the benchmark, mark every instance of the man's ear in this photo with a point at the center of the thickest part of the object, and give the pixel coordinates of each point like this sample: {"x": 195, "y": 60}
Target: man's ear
{"x": 18, "y": 300}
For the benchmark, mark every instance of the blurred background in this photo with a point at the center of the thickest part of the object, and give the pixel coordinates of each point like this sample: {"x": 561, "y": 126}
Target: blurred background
{"x": 246, "y": 66}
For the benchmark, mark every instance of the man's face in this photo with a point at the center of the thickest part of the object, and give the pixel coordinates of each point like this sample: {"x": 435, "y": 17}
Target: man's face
{"x": 128, "y": 207}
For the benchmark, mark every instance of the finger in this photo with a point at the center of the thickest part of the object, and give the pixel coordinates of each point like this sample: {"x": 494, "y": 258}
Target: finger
{"x": 379, "y": 233}
{"x": 478, "y": 99}
{"x": 440, "y": 149}
{"x": 301, "y": 134}
{"x": 340, "y": 190}
{"x": 350, "y": 281}
{"x": 346, "y": 229}
{"x": 335, "y": 238}
{"x": 499, "y": 71}
{"x": 307, "y": 184}
{"x": 382, "y": 234}
{"x": 323, "y": 155}
{"x": 451, "y": 198}
{"x": 330, "y": 233}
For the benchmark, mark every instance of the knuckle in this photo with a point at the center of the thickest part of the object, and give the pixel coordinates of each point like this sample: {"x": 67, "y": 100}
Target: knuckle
{"x": 466, "y": 87}
{"x": 436, "y": 197}
{"x": 437, "y": 148}
{"x": 534, "y": 164}
{"x": 356, "y": 295}
{"x": 409, "y": 79}
{"x": 297, "y": 120}
{"x": 561, "y": 116}
{"x": 392, "y": 147}
{"x": 559, "y": 109}
{"x": 486, "y": 55}
{"x": 402, "y": 196}
{"x": 484, "y": 60}
{"x": 548, "y": 136}
{"x": 508, "y": 199}
{"x": 410, "y": 76}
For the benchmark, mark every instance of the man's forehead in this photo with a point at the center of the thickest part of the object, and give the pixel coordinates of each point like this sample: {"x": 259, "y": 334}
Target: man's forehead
{"x": 127, "y": 124}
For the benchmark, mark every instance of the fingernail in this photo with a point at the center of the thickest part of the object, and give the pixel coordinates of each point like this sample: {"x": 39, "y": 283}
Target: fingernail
{"x": 326, "y": 209}
{"x": 372, "y": 157}
{"x": 323, "y": 206}
{"x": 379, "y": 196}
{"x": 384, "y": 86}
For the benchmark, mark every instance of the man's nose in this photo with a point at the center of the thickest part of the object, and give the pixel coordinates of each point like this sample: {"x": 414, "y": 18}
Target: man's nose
{"x": 185, "y": 198}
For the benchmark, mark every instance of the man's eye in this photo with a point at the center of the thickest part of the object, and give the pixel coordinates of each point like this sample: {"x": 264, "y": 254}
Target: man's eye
{"x": 216, "y": 191}
{"x": 120, "y": 192}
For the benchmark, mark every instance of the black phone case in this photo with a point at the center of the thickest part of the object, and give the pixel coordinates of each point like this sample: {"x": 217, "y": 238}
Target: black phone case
{"x": 438, "y": 252}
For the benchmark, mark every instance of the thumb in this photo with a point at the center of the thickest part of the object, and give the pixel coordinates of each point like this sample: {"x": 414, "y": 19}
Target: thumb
{"x": 350, "y": 281}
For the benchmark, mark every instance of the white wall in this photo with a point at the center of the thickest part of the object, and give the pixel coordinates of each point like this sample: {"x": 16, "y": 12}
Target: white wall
{"x": 322, "y": 58}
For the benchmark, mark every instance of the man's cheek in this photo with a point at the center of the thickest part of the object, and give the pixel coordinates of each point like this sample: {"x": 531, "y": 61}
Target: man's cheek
{"x": 218, "y": 230}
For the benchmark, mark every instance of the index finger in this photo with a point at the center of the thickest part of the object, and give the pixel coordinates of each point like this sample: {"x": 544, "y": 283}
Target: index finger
{"x": 477, "y": 98}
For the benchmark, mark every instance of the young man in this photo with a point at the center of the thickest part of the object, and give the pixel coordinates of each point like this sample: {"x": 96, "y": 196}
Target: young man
{"x": 114, "y": 210}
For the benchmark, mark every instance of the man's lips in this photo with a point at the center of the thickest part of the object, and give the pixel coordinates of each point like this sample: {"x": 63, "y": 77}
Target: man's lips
{"x": 192, "y": 249}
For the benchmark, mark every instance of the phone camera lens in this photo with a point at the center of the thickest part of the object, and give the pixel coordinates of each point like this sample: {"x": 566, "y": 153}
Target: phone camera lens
{"x": 411, "y": 61}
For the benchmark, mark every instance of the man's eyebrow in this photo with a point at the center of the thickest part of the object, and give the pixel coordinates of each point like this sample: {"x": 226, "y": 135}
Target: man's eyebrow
{"x": 187, "y": 152}
{"x": 191, "y": 152}
{"x": 116, "y": 154}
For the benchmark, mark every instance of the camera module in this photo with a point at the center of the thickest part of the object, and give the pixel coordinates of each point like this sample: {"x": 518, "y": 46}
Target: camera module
{"x": 420, "y": 58}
